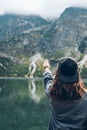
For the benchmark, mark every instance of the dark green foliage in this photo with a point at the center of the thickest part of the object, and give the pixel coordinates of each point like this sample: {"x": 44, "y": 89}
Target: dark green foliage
{"x": 19, "y": 70}
{"x": 60, "y": 53}
{"x": 84, "y": 73}
{"x": 83, "y": 45}
{"x": 11, "y": 67}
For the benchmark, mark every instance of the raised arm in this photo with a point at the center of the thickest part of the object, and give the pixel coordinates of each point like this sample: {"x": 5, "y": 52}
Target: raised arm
{"x": 48, "y": 77}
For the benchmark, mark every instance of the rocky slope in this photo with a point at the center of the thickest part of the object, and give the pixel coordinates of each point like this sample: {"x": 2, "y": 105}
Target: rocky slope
{"x": 66, "y": 32}
{"x": 19, "y": 34}
{"x": 24, "y": 36}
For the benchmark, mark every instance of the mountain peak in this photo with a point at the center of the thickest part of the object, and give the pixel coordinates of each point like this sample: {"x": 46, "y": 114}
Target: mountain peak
{"x": 74, "y": 11}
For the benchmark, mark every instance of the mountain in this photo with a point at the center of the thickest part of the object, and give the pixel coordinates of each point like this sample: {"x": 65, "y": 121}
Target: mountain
{"x": 65, "y": 32}
{"x": 22, "y": 37}
{"x": 19, "y": 34}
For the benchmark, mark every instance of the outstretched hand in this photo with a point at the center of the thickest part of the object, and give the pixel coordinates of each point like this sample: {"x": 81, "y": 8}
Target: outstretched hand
{"x": 46, "y": 64}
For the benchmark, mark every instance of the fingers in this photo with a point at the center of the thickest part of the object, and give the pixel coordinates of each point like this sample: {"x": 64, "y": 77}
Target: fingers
{"x": 46, "y": 64}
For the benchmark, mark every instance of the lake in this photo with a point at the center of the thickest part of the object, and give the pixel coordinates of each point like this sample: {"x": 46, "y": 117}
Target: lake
{"x": 23, "y": 105}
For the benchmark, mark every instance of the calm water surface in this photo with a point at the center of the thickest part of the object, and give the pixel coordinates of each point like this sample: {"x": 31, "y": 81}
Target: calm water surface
{"x": 23, "y": 105}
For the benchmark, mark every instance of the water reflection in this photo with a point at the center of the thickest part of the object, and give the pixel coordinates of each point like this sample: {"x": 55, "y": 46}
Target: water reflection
{"x": 33, "y": 91}
{"x": 23, "y": 105}
{"x": 32, "y": 88}
{"x": 0, "y": 89}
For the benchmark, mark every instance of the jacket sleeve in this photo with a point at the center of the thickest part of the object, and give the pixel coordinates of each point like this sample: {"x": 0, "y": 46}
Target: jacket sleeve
{"x": 48, "y": 80}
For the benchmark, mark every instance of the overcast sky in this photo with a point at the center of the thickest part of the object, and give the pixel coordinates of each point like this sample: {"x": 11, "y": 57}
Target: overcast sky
{"x": 45, "y": 8}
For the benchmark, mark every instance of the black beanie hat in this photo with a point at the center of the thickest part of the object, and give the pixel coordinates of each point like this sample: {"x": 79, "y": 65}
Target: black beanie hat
{"x": 68, "y": 70}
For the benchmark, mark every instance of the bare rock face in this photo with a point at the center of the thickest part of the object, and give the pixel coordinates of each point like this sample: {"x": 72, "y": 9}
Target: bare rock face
{"x": 65, "y": 32}
{"x": 19, "y": 34}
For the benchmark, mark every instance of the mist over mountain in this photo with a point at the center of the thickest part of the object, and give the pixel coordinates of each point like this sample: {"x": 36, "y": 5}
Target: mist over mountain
{"x": 24, "y": 36}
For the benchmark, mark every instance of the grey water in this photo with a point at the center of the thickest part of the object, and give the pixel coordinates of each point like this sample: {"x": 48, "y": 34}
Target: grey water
{"x": 23, "y": 104}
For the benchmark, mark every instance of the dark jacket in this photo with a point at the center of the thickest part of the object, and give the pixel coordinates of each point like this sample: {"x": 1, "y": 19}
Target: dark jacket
{"x": 66, "y": 115}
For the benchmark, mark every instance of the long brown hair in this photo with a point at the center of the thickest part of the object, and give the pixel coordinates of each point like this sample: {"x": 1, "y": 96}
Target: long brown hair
{"x": 65, "y": 91}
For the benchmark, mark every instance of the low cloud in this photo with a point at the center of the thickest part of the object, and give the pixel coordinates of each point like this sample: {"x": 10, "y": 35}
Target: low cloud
{"x": 45, "y": 8}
